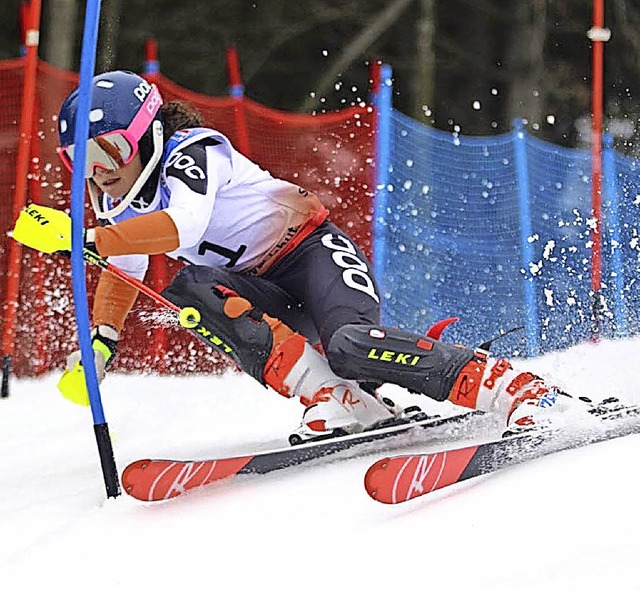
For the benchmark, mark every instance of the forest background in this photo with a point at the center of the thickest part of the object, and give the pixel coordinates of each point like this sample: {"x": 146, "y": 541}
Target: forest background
{"x": 462, "y": 65}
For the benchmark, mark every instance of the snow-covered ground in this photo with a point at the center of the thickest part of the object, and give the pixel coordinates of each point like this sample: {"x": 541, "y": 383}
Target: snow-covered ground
{"x": 568, "y": 521}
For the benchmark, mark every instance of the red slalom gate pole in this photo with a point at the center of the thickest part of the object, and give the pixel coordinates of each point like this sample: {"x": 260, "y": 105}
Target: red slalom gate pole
{"x": 598, "y": 35}
{"x": 31, "y": 42}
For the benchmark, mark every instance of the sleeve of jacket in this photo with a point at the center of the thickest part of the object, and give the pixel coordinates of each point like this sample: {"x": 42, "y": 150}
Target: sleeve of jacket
{"x": 114, "y": 298}
{"x": 151, "y": 233}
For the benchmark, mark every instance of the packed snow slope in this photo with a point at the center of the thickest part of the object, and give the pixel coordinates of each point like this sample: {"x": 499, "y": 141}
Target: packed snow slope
{"x": 570, "y": 520}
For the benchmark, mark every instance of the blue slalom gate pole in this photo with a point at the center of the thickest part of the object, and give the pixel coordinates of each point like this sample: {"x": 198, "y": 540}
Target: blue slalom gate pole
{"x": 531, "y": 319}
{"x": 87, "y": 68}
{"x": 384, "y": 106}
{"x": 614, "y": 233}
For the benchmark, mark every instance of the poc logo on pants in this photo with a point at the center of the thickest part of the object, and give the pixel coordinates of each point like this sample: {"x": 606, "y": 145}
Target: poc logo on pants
{"x": 355, "y": 273}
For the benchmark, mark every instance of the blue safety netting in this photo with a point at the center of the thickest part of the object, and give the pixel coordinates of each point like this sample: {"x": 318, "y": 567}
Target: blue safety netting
{"x": 623, "y": 247}
{"x": 560, "y": 207}
{"x": 498, "y": 233}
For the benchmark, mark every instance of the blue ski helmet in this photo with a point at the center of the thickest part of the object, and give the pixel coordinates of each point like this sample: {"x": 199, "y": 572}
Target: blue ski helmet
{"x": 124, "y": 119}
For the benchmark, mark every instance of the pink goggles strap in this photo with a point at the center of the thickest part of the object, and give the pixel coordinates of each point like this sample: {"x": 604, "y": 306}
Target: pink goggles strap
{"x": 133, "y": 132}
{"x": 145, "y": 115}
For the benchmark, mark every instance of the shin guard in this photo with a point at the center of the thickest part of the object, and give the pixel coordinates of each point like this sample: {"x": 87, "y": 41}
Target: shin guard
{"x": 226, "y": 320}
{"x": 467, "y": 378}
{"x": 420, "y": 364}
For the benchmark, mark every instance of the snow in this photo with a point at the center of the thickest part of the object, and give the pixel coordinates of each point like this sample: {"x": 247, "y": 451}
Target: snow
{"x": 566, "y": 521}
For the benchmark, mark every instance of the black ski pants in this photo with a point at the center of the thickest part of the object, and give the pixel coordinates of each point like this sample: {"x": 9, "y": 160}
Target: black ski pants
{"x": 325, "y": 283}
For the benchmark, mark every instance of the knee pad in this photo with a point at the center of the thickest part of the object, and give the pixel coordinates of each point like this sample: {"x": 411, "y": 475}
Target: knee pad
{"x": 224, "y": 319}
{"x": 418, "y": 363}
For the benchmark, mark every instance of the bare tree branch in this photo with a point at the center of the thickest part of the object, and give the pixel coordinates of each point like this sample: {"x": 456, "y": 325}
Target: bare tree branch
{"x": 284, "y": 34}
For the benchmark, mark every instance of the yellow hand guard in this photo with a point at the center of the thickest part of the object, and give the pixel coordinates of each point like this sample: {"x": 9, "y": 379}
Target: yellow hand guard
{"x": 43, "y": 228}
{"x": 73, "y": 386}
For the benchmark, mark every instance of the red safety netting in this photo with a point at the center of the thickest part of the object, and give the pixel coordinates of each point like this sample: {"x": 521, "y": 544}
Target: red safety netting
{"x": 330, "y": 154}
{"x": 10, "y": 80}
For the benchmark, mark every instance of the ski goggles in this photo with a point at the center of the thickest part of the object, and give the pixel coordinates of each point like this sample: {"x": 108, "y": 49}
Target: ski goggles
{"x": 116, "y": 148}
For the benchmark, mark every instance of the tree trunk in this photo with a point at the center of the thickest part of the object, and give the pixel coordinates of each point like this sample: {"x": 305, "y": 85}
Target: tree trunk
{"x": 424, "y": 80}
{"x": 526, "y": 61}
{"x": 61, "y": 33}
{"x": 107, "y": 54}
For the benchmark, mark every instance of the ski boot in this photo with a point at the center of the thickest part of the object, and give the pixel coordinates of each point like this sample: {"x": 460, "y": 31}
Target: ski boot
{"x": 523, "y": 399}
{"x": 348, "y": 409}
{"x": 338, "y": 408}
{"x": 533, "y": 405}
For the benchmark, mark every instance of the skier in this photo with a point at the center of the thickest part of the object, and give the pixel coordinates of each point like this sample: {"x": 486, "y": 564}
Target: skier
{"x": 265, "y": 266}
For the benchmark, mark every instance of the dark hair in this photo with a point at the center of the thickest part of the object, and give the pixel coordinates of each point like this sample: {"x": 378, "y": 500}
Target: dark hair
{"x": 178, "y": 115}
{"x": 175, "y": 115}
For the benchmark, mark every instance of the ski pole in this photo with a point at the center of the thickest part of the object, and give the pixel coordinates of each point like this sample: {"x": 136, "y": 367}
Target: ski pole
{"x": 189, "y": 317}
{"x": 91, "y": 257}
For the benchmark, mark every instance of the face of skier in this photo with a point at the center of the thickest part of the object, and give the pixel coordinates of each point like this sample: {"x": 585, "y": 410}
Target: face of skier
{"x": 117, "y": 183}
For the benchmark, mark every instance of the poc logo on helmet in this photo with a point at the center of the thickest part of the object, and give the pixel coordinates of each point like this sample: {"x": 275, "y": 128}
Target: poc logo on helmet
{"x": 141, "y": 91}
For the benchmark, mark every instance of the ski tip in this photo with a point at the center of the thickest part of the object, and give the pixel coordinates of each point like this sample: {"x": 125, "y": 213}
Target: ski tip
{"x": 139, "y": 464}
{"x": 132, "y": 478}
{"x": 374, "y": 482}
